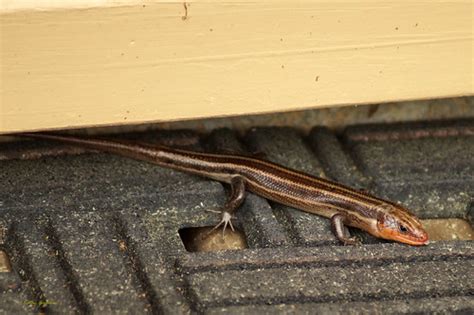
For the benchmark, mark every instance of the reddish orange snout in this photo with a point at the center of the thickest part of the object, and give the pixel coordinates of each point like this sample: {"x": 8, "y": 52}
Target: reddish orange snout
{"x": 417, "y": 237}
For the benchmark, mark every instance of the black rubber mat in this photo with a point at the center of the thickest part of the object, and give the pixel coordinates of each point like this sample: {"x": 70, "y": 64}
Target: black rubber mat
{"x": 87, "y": 232}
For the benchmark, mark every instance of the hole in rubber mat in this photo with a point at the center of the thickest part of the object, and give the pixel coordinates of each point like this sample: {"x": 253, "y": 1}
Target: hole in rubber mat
{"x": 203, "y": 239}
{"x": 5, "y": 265}
{"x": 448, "y": 229}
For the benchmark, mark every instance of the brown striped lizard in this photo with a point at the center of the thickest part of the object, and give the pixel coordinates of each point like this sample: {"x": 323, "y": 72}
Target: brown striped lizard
{"x": 344, "y": 206}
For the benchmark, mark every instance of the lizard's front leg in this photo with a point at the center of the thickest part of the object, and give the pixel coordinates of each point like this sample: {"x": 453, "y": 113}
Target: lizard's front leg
{"x": 341, "y": 231}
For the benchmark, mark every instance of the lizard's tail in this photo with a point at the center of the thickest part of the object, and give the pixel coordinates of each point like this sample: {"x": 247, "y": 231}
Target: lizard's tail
{"x": 119, "y": 147}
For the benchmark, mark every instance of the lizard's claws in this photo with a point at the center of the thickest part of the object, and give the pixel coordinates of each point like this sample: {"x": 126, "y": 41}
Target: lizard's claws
{"x": 213, "y": 211}
{"x": 353, "y": 241}
{"x": 226, "y": 220}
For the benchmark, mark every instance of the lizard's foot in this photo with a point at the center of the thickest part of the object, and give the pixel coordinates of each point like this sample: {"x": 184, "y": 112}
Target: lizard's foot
{"x": 226, "y": 220}
{"x": 352, "y": 241}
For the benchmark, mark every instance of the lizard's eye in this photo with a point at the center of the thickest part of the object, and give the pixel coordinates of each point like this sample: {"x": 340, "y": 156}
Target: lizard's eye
{"x": 402, "y": 228}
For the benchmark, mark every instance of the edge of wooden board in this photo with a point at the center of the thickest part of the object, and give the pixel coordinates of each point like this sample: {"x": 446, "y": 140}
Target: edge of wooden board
{"x": 164, "y": 62}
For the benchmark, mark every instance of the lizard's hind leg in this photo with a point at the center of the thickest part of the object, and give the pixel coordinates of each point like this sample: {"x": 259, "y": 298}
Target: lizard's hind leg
{"x": 237, "y": 196}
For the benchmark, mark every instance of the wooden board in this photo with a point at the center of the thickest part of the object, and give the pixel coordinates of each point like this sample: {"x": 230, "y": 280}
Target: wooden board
{"x": 162, "y": 61}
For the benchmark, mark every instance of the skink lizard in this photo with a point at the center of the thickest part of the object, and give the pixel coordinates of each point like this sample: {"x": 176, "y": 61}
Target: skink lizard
{"x": 344, "y": 206}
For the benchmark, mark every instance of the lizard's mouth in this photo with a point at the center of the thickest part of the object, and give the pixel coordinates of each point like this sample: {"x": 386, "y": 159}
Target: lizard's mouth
{"x": 419, "y": 237}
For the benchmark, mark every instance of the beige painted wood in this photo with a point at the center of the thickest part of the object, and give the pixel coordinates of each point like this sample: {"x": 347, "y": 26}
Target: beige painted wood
{"x": 18, "y": 5}
{"x": 133, "y": 64}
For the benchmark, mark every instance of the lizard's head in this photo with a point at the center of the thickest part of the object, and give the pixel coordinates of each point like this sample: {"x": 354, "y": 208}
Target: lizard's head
{"x": 396, "y": 223}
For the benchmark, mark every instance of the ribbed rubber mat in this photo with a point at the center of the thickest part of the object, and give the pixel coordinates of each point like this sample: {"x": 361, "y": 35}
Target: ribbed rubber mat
{"x": 90, "y": 232}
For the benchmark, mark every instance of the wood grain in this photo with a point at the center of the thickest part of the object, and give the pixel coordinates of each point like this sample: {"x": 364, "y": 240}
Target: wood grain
{"x": 72, "y": 67}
